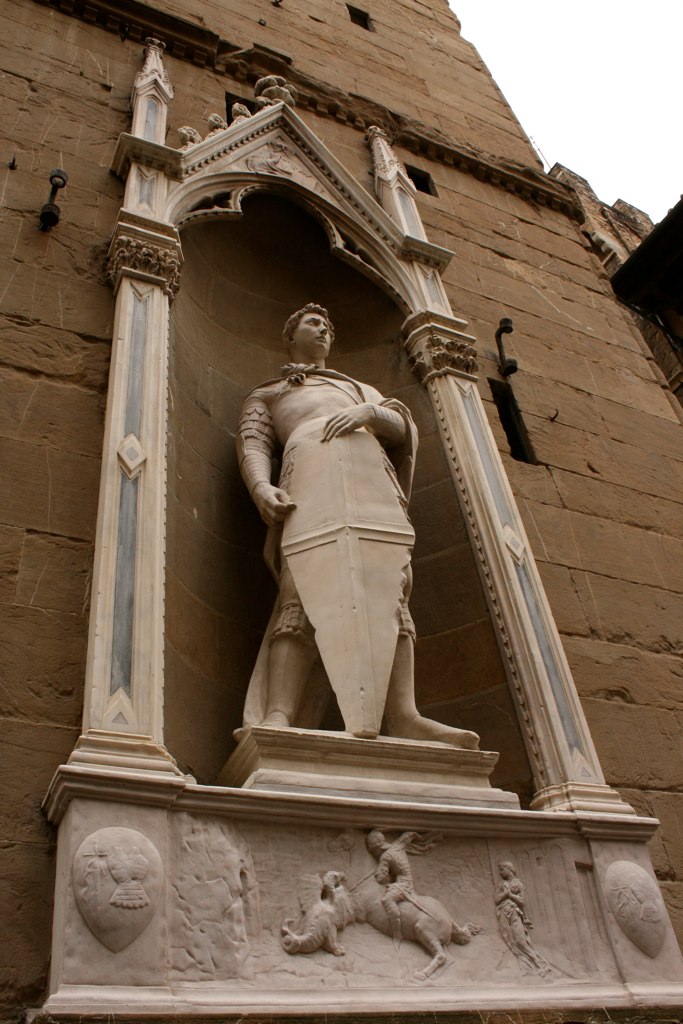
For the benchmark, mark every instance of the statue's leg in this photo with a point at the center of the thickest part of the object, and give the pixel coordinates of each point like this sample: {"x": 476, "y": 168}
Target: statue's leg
{"x": 394, "y": 915}
{"x": 290, "y": 663}
{"x": 291, "y": 657}
{"x": 401, "y": 714}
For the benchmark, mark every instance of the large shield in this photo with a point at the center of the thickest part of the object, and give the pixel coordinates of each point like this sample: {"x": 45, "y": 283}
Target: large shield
{"x": 347, "y": 545}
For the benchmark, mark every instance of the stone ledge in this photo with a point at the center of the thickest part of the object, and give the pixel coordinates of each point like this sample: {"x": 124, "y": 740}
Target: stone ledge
{"x": 567, "y": 1004}
{"x": 541, "y": 1015}
{"x": 155, "y": 789}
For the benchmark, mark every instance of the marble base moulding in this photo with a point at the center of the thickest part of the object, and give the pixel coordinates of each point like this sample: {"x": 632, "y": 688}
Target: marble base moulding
{"x": 175, "y": 900}
{"x": 335, "y": 763}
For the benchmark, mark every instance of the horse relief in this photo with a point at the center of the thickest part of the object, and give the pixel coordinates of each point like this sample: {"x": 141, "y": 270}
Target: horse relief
{"x": 390, "y": 904}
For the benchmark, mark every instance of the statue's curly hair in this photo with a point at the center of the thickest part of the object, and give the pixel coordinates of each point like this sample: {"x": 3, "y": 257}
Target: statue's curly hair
{"x": 293, "y": 322}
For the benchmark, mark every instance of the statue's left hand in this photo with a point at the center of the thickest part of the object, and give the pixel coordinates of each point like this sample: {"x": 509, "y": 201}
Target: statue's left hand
{"x": 347, "y": 420}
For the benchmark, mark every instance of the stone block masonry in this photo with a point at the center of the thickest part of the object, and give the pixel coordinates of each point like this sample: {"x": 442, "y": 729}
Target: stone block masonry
{"x": 603, "y": 508}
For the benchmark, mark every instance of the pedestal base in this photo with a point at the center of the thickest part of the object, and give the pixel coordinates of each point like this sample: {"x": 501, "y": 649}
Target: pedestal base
{"x": 100, "y": 748}
{"x": 175, "y": 901}
{"x": 338, "y": 764}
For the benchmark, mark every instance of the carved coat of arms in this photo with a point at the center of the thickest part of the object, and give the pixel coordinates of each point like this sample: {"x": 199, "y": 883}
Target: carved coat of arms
{"x": 637, "y": 904}
{"x": 117, "y": 876}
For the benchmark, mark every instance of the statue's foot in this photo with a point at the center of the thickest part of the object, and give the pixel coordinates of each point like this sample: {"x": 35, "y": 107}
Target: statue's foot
{"x": 277, "y": 719}
{"x": 419, "y": 728}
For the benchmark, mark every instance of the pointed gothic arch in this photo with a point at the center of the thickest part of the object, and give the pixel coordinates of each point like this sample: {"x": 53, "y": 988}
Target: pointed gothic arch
{"x": 275, "y": 151}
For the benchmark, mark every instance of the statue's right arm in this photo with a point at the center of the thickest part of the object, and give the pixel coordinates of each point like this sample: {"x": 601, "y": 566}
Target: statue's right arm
{"x": 256, "y": 441}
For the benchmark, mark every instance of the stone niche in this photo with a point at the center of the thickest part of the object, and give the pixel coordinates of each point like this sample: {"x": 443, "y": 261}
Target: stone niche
{"x": 241, "y": 279}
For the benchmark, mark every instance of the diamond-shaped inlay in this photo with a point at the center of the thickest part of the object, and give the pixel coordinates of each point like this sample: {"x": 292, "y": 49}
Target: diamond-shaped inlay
{"x": 131, "y": 455}
{"x": 514, "y": 544}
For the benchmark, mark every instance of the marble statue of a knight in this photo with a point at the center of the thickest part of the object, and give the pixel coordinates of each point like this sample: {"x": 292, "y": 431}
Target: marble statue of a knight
{"x": 339, "y": 545}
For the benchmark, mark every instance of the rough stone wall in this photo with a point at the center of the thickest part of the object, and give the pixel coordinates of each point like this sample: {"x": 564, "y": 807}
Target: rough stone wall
{"x": 602, "y": 506}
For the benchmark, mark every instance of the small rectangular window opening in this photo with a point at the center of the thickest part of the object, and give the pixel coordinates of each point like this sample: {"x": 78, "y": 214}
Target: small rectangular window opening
{"x": 359, "y": 17}
{"x": 231, "y": 98}
{"x": 511, "y": 419}
{"x": 422, "y": 180}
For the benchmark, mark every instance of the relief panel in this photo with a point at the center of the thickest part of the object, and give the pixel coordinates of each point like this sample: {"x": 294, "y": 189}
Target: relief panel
{"x": 214, "y": 902}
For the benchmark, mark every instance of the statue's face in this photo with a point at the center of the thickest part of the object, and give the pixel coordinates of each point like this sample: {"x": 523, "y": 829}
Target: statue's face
{"x": 311, "y": 339}
{"x": 375, "y": 843}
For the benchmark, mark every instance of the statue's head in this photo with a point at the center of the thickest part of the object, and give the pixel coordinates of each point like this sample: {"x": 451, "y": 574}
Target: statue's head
{"x": 506, "y": 869}
{"x": 332, "y": 880}
{"x": 307, "y": 313}
{"x": 375, "y": 842}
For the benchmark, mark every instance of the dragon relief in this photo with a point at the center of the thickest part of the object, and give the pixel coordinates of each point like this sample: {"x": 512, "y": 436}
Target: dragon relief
{"x": 327, "y": 907}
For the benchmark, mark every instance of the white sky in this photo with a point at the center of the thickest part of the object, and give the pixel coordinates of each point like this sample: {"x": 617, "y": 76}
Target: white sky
{"x": 597, "y": 84}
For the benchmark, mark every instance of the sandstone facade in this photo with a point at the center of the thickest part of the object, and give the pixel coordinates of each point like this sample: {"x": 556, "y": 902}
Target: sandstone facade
{"x": 602, "y": 503}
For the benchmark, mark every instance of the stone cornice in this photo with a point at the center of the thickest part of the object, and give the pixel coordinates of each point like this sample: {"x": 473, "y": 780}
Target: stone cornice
{"x": 155, "y": 789}
{"x": 131, "y": 148}
{"x": 131, "y": 19}
{"x": 187, "y": 41}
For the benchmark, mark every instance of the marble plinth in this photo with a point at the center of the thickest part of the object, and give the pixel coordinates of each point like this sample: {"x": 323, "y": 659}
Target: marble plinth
{"x": 180, "y": 901}
{"x": 337, "y": 764}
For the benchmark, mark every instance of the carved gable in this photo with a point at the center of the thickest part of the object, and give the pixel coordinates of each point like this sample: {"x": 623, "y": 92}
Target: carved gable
{"x": 275, "y": 145}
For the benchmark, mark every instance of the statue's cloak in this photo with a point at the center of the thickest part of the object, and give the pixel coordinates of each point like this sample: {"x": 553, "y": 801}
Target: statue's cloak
{"x": 361, "y": 549}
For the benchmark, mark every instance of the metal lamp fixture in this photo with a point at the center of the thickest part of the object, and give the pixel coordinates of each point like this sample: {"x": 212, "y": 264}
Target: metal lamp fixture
{"x": 50, "y": 212}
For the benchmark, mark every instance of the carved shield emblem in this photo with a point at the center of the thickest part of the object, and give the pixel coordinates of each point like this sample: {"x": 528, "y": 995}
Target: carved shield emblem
{"x": 117, "y": 876}
{"x": 347, "y": 544}
{"x": 637, "y": 904}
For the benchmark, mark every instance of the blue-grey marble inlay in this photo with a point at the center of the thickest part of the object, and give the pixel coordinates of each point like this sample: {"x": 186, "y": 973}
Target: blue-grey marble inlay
{"x": 490, "y": 473}
{"x": 122, "y": 642}
{"x": 409, "y": 213}
{"x": 136, "y": 366}
{"x": 151, "y": 115}
{"x": 556, "y": 684}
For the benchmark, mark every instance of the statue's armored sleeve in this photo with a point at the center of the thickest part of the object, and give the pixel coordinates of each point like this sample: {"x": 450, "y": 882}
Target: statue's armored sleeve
{"x": 256, "y": 441}
{"x": 388, "y": 424}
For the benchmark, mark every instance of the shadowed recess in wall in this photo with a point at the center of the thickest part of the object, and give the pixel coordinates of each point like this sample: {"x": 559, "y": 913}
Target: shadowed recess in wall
{"x": 241, "y": 280}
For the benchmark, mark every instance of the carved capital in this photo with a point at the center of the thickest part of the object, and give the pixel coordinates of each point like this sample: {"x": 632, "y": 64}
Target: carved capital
{"x": 139, "y": 251}
{"x": 436, "y": 346}
{"x": 440, "y": 354}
